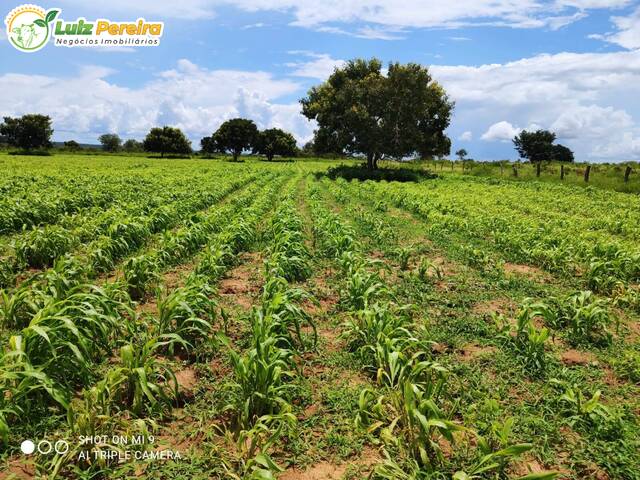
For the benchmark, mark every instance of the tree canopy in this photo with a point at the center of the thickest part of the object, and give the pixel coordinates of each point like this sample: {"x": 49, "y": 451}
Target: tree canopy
{"x": 461, "y": 154}
{"x": 363, "y": 111}
{"x": 235, "y": 136}
{"x": 110, "y": 142}
{"x": 538, "y": 147}
{"x": 132, "y": 145}
{"x": 167, "y": 140}
{"x": 275, "y": 141}
{"x": 28, "y": 132}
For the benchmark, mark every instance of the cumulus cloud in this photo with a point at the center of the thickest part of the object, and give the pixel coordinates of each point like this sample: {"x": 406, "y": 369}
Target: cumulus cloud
{"x": 502, "y": 131}
{"x": 319, "y": 65}
{"x": 385, "y": 13}
{"x": 628, "y": 31}
{"x": 589, "y": 99}
{"x": 87, "y": 104}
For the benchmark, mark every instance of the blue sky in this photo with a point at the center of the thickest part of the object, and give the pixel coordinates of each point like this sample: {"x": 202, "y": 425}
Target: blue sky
{"x": 572, "y": 66}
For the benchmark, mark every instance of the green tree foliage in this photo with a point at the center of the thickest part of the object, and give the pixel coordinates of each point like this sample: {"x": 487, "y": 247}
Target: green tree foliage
{"x": 326, "y": 143}
{"x": 461, "y": 154}
{"x": 538, "y": 147}
{"x": 208, "y": 146}
{"x": 110, "y": 142}
{"x": 236, "y": 135}
{"x": 132, "y": 145}
{"x": 275, "y": 141}
{"x": 72, "y": 146}
{"x": 29, "y": 132}
{"x": 167, "y": 140}
{"x": 365, "y": 112}
{"x": 562, "y": 154}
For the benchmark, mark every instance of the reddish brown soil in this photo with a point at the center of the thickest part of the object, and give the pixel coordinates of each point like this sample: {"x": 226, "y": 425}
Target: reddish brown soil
{"x": 331, "y": 471}
{"x": 577, "y": 357}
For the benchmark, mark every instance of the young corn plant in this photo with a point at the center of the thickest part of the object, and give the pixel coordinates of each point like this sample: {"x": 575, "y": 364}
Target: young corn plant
{"x": 588, "y": 412}
{"x": 426, "y": 270}
{"x": 260, "y": 377}
{"x": 528, "y": 340}
{"x": 365, "y": 328}
{"x": 40, "y": 247}
{"x": 280, "y": 304}
{"x": 363, "y": 288}
{"x": 409, "y": 419}
{"x": 586, "y": 319}
{"x": 403, "y": 255}
{"x": 142, "y": 384}
{"x": 140, "y": 275}
{"x": 188, "y": 312}
{"x": 253, "y": 445}
{"x": 216, "y": 259}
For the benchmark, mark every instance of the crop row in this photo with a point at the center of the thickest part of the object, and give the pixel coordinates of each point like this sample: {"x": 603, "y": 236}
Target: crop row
{"x": 84, "y": 328}
{"x": 607, "y": 266}
{"x": 410, "y": 411}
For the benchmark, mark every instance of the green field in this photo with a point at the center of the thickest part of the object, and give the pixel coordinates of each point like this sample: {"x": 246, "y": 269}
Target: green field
{"x": 274, "y": 320}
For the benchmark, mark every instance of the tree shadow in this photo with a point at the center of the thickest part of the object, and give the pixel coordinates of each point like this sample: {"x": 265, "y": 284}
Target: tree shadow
{"x": 362, "y": 173}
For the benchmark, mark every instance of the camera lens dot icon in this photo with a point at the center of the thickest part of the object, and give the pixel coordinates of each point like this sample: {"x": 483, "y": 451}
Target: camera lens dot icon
{"x": 27, "y": 447}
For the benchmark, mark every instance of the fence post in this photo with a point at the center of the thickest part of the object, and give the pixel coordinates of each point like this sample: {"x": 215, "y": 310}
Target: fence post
{"x": 515, "y": 171}
{"x": 587, "y": 171}
{"x": 627, "y": 172}
{"x": 561, "y": 172}
{"x": 538, "y": 164}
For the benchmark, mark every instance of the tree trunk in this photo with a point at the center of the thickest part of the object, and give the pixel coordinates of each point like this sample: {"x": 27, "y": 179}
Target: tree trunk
{"x": 515, "y": 171}
{"x": 376, "y": 157}
{"x": 561, "y": 172}
{"x": 587, "y": 171}
{"x": 538, "y": 165}
{"x": 235, "y": 156}
{"x": 370, "y": 161}
{"x": 627, "y": 172}
{"x": 270, "y": 157}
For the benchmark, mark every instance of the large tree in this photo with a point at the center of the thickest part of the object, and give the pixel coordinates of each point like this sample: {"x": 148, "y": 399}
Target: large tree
{"x": 275, "y": 141}
{"x": 535, "y": 146}
{"x": 363, "y": 111}
{"x": 110, "y": 142}
{"x": 167, "y": 140}
{"x": 235, "y": 136}
{"x": 29, "y": 132}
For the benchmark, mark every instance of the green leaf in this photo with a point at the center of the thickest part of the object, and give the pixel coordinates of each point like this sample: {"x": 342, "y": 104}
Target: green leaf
{"x": 51, "y": 15}
{"x": 39, "y": 22}
{"x": 540, "y": 476}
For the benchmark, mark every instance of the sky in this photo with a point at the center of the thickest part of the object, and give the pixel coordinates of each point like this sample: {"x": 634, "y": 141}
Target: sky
{"x": 570, "y": 66}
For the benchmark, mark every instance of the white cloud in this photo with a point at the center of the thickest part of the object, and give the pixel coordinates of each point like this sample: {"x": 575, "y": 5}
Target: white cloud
{"x": 319, "y": 66}
{"x": 628, "y": 34}
{"x": 459, "y": 39}
{"x": 466, "y": 136}
{"x": 591, "y": 100}
{"x": 86, "y": 104}
{"x": 502, "y": 131}
{"x": 382, "y": 13}
{"x": 254, "y": 25}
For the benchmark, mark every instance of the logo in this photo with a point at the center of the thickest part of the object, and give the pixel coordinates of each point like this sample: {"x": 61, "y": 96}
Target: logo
{"x": 29, "y": 28}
